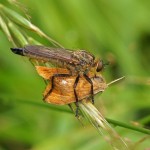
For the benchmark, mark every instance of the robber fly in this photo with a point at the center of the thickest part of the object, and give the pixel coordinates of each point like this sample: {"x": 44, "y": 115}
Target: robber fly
{"x": 79, "y": 63}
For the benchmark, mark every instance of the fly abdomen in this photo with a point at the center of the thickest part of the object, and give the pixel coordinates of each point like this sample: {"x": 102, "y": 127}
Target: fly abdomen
{"x": 18, "y": 51}
{"x": 34, "y": 52}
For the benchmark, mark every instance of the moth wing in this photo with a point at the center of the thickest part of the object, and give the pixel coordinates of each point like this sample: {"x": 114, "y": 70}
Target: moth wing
{"x": 59, "y": 97}
{"x": 47, "y": 73}
{"x": 63, "y": 92}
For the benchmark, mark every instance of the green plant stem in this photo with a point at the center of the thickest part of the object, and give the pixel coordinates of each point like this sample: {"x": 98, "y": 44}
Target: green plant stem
{"x": 114, "y": 122}
{"x": 121, "y": 124}
{"x": 144, "y": 120}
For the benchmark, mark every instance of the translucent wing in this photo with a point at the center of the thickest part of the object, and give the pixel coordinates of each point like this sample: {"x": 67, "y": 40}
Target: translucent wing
{"x": 79, "y": 60}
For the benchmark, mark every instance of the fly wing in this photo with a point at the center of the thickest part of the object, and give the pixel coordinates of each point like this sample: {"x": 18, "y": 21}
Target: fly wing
{"x": 48, "y": 54}
{"x": 80, "y": 59}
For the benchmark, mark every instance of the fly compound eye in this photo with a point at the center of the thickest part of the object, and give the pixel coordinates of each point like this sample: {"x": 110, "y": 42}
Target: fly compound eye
{"x": 100, "y": 65}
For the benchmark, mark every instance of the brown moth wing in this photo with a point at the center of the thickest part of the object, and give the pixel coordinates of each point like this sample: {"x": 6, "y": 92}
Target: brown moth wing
{"x": 63, "y": 92}
{"x": 47, "y": 73}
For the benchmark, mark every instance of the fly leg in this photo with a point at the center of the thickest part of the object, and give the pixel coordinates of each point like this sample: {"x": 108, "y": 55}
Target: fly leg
{"x": 90, "y": 81}
{"x": 75, "y": 93}
{"x": 52, "y": 81}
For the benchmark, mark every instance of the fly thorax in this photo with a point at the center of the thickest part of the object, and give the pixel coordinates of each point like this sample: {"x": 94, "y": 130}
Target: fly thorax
{"x": 83, "y": 59}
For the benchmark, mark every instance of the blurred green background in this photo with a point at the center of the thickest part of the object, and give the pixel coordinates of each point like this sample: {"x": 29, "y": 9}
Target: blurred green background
{"x": 116, "y": 31}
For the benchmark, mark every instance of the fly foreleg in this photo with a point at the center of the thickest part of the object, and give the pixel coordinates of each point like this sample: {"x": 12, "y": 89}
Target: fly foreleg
{"x": 90, "y": 81}
{"x": 75, "y": 93}
{"x": 52, "y": 83}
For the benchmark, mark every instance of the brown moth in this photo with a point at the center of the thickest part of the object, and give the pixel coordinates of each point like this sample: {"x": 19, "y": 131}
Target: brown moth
{"x": 63, "y": 89}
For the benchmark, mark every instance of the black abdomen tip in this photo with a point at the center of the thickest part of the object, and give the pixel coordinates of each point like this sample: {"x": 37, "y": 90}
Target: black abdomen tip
{"x": 18, "y": 51}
